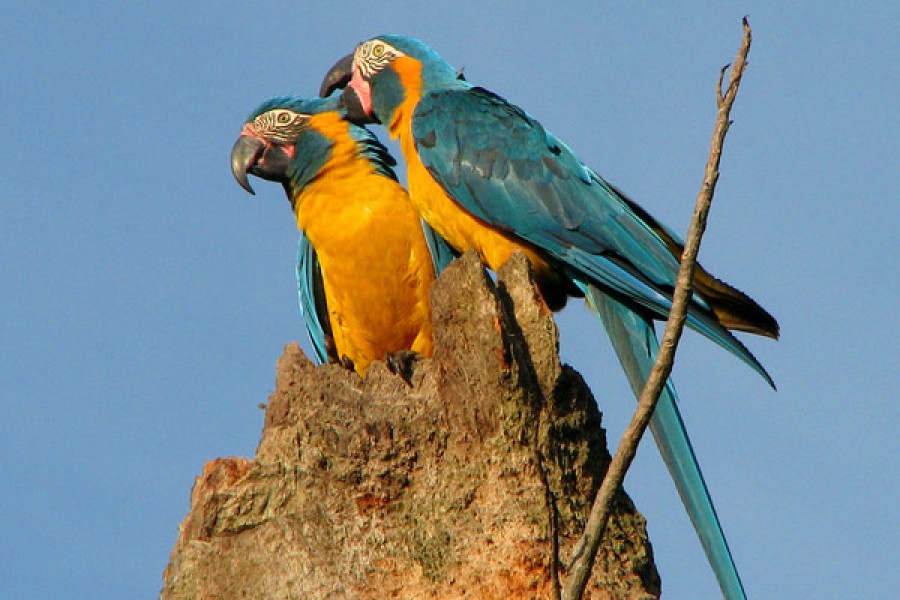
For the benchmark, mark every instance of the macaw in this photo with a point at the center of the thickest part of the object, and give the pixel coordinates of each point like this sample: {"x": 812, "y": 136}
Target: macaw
{"x": 361, "y": 300}
{"x": 486, "y": 175}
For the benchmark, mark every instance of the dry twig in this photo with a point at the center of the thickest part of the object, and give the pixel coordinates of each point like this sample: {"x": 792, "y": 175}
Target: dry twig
{"x": 586, "y": 550}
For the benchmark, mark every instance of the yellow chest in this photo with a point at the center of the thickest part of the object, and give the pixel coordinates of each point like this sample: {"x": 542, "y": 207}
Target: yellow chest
{"x": 376, "y": 267}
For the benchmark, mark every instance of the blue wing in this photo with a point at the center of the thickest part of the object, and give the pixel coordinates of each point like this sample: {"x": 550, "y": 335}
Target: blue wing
{"x": 634, "y": 340}
{"x": 311, "y": 293}
{"x": 502, "y": 166}
{"x": 441, "y": 252}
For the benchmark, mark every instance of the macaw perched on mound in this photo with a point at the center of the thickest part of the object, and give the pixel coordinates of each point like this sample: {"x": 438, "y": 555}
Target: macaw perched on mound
{"x": 364, "y": 264}
{"x": 486, "y": 175}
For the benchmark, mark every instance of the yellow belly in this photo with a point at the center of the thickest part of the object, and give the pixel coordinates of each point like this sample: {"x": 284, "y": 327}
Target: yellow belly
{"x": 376, "y": 267}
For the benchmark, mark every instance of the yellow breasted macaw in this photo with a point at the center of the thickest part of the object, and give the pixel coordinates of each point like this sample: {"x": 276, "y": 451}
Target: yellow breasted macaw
{"x": 364, "y": 265}
{"x": 486, "y": 175}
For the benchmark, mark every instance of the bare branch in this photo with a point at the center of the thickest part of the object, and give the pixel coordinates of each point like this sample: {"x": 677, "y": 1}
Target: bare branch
{"x": 586, "y": 550}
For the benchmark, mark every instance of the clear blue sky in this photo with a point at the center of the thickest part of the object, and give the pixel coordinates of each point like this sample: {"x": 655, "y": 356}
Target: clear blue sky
{"x": 146, "y": 297}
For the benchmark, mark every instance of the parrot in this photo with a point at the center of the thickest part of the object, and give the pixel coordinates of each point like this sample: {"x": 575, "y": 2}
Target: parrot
{"x": 487, "y": 176}
{"x": 361, "y": 301}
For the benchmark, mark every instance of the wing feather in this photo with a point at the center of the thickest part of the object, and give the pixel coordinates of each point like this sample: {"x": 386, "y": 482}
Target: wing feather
{"x": 502, "y": 166}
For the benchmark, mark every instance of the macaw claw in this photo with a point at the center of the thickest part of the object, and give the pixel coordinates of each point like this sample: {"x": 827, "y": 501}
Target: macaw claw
{"x": 333, "y": 358}
{"x": 403, "y": 364}
{"x": 347, "y": 363}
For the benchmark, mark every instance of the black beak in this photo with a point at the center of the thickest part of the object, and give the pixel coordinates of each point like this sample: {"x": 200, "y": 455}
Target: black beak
{"x": 337, "y": 77}
{"x": 254, "y": 156}
{"x": 244, "y": 154}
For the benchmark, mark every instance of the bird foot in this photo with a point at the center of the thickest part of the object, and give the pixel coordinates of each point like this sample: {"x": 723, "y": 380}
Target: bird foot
{"x": 347, "y": 363}
{"x": 403, "y": 364}
{"x": 333, "y": 358}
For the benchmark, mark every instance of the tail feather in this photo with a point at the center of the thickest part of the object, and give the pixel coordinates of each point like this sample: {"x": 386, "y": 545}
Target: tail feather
{"x": 626, "y": 284}
{"x": 733, "y": 308}
{"x": 634, "y": 340}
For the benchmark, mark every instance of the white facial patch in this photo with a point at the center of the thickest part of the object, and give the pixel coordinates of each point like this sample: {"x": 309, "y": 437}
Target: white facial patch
{"x": 372, "y": 56}
{"x": 280, "y": 125}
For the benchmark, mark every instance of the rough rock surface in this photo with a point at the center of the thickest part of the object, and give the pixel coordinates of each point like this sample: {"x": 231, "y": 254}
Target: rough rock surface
{"x": 464, "y": 484}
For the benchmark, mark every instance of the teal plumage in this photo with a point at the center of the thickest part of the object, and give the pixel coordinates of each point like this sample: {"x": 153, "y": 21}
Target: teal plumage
{"x": 283, "y": 141}
{"x": 512, "y": 182}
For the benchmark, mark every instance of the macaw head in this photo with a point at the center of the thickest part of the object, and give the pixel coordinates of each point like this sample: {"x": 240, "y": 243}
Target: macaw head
{"x": 269, "y": 139}
{"x": 385, "y": 71}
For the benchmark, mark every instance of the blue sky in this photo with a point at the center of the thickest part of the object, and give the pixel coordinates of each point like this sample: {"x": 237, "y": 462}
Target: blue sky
{"x": 146, "y": 297}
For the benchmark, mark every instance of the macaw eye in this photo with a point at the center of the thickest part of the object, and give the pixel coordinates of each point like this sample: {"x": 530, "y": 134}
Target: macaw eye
{"x": 378, "y": 50}
{"x": 284, "y": 118}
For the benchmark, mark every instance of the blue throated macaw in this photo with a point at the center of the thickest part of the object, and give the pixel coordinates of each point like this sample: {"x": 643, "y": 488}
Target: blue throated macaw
{"x": 361, "y": 301}
{"x": 486, "y": 175}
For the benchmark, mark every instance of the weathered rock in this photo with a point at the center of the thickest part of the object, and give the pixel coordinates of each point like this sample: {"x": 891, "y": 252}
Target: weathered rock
{"x": 463, "y": 485}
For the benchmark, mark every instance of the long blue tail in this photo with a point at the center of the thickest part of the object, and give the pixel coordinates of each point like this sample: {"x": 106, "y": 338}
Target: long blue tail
{"x": 634, "y": 340}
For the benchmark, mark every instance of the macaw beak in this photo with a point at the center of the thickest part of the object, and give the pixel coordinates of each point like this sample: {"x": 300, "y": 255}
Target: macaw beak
{"x": 244, "y": 154}
{"x": 342, "y": 76}
{"x": 337, "y": 77}
{"x": 256, "y": 157}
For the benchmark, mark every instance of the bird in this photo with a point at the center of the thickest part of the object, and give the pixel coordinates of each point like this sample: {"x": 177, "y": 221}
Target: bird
{"x": 364, "y": 263}
{"x": 487, "y": 176}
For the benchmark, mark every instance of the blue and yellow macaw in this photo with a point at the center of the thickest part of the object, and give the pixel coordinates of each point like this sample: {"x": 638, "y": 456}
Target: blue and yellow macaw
{"x": 362, "y": 301}
{"x": 486, "y": 175}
